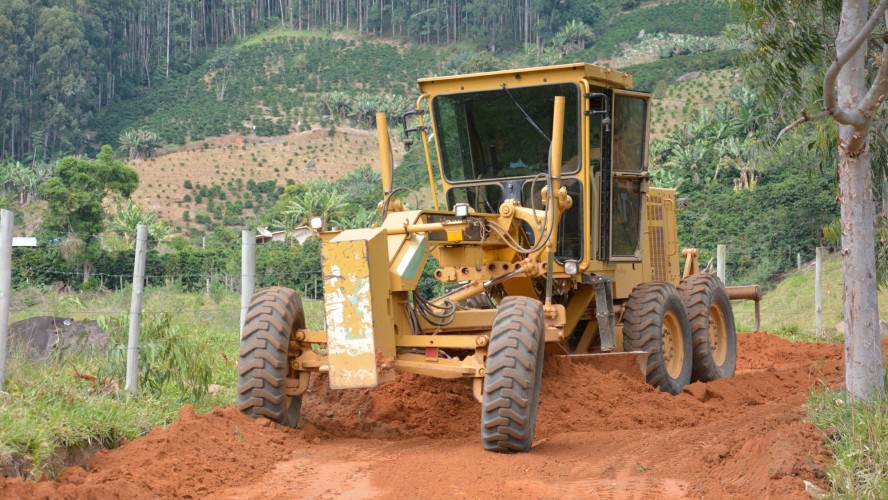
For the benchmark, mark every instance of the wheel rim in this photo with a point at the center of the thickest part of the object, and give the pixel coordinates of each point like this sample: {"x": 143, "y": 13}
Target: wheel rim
{"x": 718, "y": 334}
{"x": 673, "y": 345}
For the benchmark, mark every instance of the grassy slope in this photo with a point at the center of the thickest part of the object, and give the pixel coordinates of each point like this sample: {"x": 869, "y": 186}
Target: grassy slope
{"x": 49, "y": 409}
{"x": 790, "y": 305}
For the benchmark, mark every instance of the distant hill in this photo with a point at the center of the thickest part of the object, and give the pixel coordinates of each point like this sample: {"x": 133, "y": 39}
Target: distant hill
{"x": 277, "y": 81}
{"x": 263, "y": 108}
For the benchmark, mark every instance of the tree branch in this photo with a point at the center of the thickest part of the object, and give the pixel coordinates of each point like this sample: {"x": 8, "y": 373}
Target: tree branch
{"x": 805, "y": 118}
{"x": 853, "y": 117}
{"x": 876, "y": 93}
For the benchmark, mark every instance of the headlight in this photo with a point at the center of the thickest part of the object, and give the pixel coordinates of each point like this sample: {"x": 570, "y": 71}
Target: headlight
{"x": 461, "y": 210}
{"x": 316, "y": 223}
{"x": 571, "y": 267}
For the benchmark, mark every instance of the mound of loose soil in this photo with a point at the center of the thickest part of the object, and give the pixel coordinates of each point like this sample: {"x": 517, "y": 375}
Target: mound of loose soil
{"x": 194, "y": 456}
{"x": 39, "y": 336}
{"x": 599, "y": 434}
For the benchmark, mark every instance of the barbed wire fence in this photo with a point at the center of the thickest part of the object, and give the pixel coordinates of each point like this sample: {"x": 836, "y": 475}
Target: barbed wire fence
{"x": 216, "y": 284}
{"x": 229, "y": 280}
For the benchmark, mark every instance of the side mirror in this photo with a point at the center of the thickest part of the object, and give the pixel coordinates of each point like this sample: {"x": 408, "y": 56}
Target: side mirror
{"x": 408, "y": 140}
{"x": 604, "y": 110}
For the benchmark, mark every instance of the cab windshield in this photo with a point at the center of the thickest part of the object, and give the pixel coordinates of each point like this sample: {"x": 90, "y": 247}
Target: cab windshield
{"x": 485, "y": 135}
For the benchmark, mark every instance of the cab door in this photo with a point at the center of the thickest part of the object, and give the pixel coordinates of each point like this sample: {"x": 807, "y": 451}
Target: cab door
{"x": 630, "y": 123}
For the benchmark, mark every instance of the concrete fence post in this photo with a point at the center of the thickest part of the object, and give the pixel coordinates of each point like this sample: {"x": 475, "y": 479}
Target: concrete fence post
{"x": 135, "y": 323}
{"x": 818, "y": 298}
{"x": 248, "y": 274}
{"x": 721, "y": 257}
{"x": 7, "y": 218}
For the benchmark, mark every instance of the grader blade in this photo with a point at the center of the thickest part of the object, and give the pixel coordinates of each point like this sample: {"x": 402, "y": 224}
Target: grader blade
{"x": 632, "y": 364}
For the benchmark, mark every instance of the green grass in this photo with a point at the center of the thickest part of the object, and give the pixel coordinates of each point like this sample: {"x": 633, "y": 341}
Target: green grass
{"x": 48, "y": 409}
{"x": 789, "y": 306}
{"x": 857, "y": 436}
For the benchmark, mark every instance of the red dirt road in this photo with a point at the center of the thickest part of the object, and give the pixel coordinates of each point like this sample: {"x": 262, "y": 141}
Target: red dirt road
{"x": 599, "y": 434}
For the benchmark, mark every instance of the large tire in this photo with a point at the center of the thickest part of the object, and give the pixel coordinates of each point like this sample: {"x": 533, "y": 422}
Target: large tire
{"x": 713, "y": 333}
{"x": 264, "y": 363}
{"x": 655, "y": 321}
{"x": 514, "y": 369}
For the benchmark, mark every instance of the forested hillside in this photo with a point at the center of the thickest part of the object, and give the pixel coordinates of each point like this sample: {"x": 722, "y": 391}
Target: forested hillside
{"x": 65, "y": 62}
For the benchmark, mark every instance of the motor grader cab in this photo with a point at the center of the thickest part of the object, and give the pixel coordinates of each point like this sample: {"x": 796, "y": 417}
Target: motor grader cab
{"x": 550, "y": 239}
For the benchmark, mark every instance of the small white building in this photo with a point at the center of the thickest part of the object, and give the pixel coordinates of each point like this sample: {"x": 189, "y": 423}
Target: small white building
{"x": 263, "y": 235}
{"x": 18, "y": 241}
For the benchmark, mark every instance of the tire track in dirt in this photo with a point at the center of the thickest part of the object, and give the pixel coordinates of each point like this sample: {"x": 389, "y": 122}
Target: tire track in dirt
{"x": 599, "y": 434}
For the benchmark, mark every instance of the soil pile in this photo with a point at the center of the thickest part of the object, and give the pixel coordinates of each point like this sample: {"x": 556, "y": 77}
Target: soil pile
{"x": 599, "y": 434}
{"x": 195, "y": 456}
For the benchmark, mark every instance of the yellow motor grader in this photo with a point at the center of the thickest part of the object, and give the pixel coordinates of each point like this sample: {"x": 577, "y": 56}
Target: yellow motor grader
{"x": 550, "y": 238}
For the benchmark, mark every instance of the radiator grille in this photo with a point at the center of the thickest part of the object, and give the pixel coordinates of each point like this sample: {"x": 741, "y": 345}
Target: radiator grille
{"x": 657, "y": 239}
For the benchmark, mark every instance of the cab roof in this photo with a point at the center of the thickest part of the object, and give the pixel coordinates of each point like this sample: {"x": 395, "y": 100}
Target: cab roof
{"x": 595, "y": 75}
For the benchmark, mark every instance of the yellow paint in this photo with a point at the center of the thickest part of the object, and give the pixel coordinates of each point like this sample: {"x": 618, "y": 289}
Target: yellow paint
{"x": 360, "y": 333}
{"x": 369, "y": 273}
{"x": 454, "y": 236}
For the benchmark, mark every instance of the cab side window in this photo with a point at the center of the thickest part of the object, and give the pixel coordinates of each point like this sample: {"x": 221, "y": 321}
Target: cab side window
{"x": 630, "y": 123}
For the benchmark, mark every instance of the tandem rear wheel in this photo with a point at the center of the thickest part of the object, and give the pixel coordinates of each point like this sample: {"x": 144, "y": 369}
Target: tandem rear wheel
{"x": 713, "y": 333}
{"x": 655, "y": 321}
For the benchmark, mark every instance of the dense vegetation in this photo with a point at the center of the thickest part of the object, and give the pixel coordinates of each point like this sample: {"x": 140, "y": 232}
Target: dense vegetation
{"x": 78, "y": 74}
{"x": 276, "y": 86}
{"x": 767, "y": 205}
{"x": 662, "y": 72}
{"x": 707, "y": 18}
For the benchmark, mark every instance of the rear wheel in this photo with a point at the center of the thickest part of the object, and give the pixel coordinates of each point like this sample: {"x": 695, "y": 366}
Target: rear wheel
{"x": 713, "y": 333}
{"x": 514, "y": 369}
{"x": 264, "y": 362}
{"x": 655, "y": 321}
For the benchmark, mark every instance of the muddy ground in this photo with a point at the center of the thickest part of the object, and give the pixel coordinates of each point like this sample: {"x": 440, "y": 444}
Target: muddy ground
{"x": 599, "y": 434}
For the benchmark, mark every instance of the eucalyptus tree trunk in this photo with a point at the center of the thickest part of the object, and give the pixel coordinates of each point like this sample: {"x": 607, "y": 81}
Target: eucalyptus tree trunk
{"x": 852, "y": 106}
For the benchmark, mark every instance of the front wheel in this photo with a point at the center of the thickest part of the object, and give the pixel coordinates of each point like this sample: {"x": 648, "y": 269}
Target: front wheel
{"x": 264, "y": 362}
{"x": 514, "y": 369}
{"x": 655, "y": 321}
